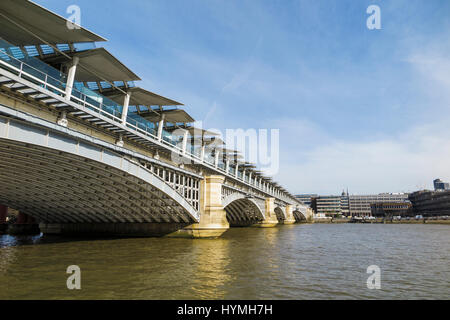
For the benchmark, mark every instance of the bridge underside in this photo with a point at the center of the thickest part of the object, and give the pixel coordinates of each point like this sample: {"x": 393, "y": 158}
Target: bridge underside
{"x": 243, "y": 213}
{"x": 71, "y": 194}
{"x": 299, "y": 216}
{"x": 281, "y": 216}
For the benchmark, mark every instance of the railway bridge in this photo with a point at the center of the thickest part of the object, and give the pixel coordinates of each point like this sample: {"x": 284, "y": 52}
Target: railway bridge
{"x": 83, "y": 150}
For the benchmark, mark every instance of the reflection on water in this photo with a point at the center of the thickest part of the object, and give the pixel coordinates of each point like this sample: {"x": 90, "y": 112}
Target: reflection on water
{"x": 287, "y": 262}
{"x": 211, "y": 273}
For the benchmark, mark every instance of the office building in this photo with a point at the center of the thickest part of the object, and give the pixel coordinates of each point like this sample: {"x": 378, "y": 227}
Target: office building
{"x": 440, "y": 185}
{"x": 329, "y": 206}
{"x": 360, "y": 205}
{"x": 431, "y": 203}
{"x": 391, "y": 209}
{"x": 306, "y": 198}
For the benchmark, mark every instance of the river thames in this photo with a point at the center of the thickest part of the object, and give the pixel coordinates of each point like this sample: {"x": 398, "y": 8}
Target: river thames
{"x": 318, "y": 261}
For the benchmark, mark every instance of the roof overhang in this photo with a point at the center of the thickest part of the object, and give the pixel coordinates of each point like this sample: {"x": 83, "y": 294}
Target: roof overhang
{"x": 193, "y": 132}
{"x": 171, "y": 116}
{"x": 95, "y": 65}
{"x": 22, "y": 20}
{"x": 141, "y": 97}
{"x": 214, "y": 142}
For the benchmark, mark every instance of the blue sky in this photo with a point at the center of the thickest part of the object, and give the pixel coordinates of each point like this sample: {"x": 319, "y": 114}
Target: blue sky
{"x": 357, "y": 108}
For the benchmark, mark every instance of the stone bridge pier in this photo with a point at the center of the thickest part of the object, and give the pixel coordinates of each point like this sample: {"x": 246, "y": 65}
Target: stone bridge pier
{"x": 270, "y": 216}
{"x": 213, "y": 217}
{"x": 290, "y": 219}
{"x": 219, "y": 211}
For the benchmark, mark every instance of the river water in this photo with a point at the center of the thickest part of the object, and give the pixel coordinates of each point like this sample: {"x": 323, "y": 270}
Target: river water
{"x": 317, "y": 261}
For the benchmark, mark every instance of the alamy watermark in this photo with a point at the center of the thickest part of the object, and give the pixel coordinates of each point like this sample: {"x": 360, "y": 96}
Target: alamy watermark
{"x": 74, "y": 281}
{"x": 374, "y": 20}
{"x": 256, "y": 146}
{"x": 374, "y": 280}
{"x": 74, "y": 20}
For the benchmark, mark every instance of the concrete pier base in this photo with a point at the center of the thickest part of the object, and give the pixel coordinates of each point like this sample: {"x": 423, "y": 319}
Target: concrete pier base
{"x": 290, "y": 219}
{"x": 111, "y": 229}
{"x": 198, "y": 232}
{"x": 213, "y": 217}
{"x": 271, "y": 217}
{"x": 265, "y": 224}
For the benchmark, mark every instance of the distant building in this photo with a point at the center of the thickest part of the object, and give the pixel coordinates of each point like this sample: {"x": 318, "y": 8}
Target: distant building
{"x": 329, "y": 206}
{"x": 306, "y": 198}
{"x": 360, "y": 205}
{"x": 390, "y": 209}
{"x": 431, "y": 203}
{"x": 440, "y": 185}
{"x": 351, "y": 205}
{"x": 345, "y": 204}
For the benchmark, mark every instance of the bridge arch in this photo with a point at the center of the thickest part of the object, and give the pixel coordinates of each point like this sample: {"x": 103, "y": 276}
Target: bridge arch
{"x": 280, "y": 212}
{"x": 300, "y": 215}
{"x": 242, "y": 210}
{"x": 57, "y": 175}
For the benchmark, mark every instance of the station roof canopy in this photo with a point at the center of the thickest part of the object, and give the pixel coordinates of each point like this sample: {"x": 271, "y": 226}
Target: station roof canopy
{"x": 142, "y": 97}
{"x": 193, "y": 131}
{"x": 210, "y": 142}
{"x": 172, "y": 116}
{"x": 201, "y": 132}
{"x": 22, "y": 20}
{"x": 96, "y": 65}
{"x": 214, "y": 141}
{"x": 258, "y": 173}
{"x": 233, "y": 155}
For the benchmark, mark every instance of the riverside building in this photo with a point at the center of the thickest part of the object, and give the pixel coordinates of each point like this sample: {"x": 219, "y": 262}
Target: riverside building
{"x": 360, "y": 205}
{"x": 432, "y": 203}
{"x": 306, "y": 198}
{"x": 354, "y": 205}
{"x": 328, "y": 206}
{"x": 440, "y": 185}
{"x": 390, "y": 209}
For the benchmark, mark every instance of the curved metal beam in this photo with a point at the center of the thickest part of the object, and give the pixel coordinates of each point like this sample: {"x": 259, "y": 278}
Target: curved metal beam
{"x": 30, "y": 143}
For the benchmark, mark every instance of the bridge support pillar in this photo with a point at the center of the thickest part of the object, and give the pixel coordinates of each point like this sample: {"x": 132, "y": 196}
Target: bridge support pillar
{"x": 25, "y": 225}
{"x": 290, "y": 219}
{"x": 3, "y": 215}
{"x": 271, "y": 217}
{"x": 309, "y": 215}
{"x": 213, "y": 217}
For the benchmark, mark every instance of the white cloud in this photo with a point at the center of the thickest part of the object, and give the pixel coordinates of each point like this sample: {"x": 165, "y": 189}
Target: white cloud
{"x": 405, "y": 163}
